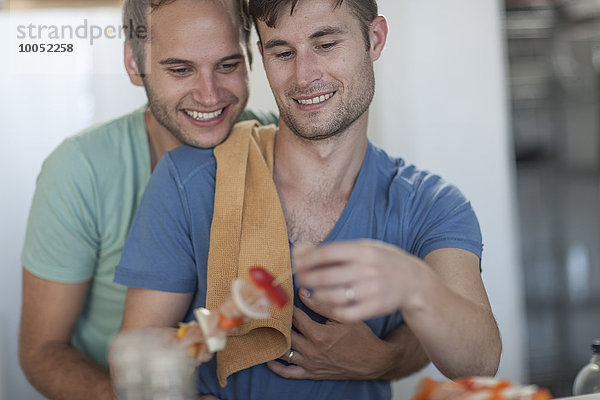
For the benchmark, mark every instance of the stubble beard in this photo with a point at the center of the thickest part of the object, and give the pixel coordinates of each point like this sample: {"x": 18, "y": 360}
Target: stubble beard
{"x": 161, "y": 113}
{"x": 358, "y": 103}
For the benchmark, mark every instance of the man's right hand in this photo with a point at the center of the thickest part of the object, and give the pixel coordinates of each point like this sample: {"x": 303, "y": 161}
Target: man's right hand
{"x": 348, "y": 351}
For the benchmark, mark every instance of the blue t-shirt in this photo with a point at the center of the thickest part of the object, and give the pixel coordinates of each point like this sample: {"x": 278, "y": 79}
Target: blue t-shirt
{"x": 167, "y": 249}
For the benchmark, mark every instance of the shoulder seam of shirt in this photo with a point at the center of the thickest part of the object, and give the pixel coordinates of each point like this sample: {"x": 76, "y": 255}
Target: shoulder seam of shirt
{"x": 180, "y": 178}
{"x": 93, "y": 183}
{"x": 74, "y": 149}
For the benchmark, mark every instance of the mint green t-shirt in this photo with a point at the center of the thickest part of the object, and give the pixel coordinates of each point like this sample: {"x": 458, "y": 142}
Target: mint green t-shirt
{"x": 86, "y": 197}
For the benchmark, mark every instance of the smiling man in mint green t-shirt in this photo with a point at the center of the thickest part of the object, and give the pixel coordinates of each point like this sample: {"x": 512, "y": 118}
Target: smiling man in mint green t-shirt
{"x": 90, "y": 186}
{"x": 86, "y": 197}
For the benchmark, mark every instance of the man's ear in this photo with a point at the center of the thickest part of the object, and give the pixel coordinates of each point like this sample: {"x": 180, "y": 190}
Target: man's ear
{"x": 378, "y": 34}
{"x": 260, "y": 49}
{"x": 131, "y": 66}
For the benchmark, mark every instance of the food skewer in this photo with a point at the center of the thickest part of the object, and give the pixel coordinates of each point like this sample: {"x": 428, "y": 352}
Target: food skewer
{"x": 248, "y": 300}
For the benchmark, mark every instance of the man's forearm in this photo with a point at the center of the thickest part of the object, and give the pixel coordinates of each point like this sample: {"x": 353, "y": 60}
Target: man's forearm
{"x": 409, "y": 356}
{"x": 59, "y": 371}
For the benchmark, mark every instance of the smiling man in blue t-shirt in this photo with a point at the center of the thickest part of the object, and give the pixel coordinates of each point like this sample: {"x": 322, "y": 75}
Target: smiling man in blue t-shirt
{"x": 417, "y": 233}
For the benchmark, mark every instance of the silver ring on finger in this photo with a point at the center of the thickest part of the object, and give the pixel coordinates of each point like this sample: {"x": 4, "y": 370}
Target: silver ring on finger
{"x": 289, "y": 357}
{"x": 350, "y": 294}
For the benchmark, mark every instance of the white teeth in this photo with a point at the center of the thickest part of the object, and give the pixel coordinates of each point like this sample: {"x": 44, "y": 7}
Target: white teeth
{"x": 200, "y": 116}
{"x": 316, "y": 100}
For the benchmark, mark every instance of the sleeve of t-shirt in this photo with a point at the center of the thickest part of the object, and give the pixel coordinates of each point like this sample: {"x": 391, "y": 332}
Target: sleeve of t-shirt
{"x": 61, "y": 242}
{"x": 158, "y": 253}
{"x": 441, "y": 217}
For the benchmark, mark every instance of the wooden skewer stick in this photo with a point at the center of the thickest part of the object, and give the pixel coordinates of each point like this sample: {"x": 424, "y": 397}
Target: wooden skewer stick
{"x": 279, "y": 280}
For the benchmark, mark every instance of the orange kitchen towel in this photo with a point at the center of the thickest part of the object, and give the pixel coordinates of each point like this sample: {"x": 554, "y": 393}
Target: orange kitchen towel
{"x": 248, "y": 228}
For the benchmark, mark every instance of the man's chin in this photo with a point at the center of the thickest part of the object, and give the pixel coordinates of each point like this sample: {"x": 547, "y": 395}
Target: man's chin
{"x": 206, "y": 140}
{"x": 313, "y": 135}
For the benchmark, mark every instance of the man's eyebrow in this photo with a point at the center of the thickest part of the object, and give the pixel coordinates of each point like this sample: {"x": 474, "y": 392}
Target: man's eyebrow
{"x": 330, "y": 30}
{"x": 174, "y": 61}
{"x": 274, "y": 43}
{"x": 237, "y": 56}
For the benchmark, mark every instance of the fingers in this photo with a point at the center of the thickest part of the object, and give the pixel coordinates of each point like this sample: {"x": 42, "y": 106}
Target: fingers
{"x": 203, "y": 356}
{"x": 309, "y": 331}
{"x": 193, "y": 340}
{"x": 294, "y": 369}
{"x": 303, "y": 323}
{"x": 357, "y": 312}
{"x": 352, "y": 303}
{"x": 314, "y": 304}
{"x": 337, "y": 296}
{"x": 300, "y": 343}
{"x": 307, "y": 257}
{"x": 325, "y": 299}
{"x": 365, "y": 304}
{"x": 332, "y": 302}
{"x": 332, "y": 275}
{"x": 355, "y": 280}
{"x": 292, "y": 357}
{"x": 341, "y": 263}
{"x": 287, "y": 371}
{"x": 192, "y": 334}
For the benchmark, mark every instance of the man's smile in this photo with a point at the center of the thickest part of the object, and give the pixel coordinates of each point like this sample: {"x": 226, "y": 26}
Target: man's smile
{"x": 316, "y": 99}
{"x": 201, "y": 116}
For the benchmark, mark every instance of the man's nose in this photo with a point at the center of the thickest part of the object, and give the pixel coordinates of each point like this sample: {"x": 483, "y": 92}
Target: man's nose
{"x": 308, "y": 69}
{"x": 206, "y": 89}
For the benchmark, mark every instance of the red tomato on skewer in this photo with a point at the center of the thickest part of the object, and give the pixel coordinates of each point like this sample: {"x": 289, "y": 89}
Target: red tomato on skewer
{"x": 264, "y": 280}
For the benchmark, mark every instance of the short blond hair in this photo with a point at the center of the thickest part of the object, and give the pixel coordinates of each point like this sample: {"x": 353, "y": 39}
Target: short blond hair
{"x": 135, "y": 23}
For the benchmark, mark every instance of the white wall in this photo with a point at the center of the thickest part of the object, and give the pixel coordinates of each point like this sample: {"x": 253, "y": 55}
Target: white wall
{"x": 440, "y": 103}
{"x": 43, "y": 99}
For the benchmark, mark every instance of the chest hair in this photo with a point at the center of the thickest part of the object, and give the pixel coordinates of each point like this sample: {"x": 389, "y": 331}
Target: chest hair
{"x": 310, "y": 217}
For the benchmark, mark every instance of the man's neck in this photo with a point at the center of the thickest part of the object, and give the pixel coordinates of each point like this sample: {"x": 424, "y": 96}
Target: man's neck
{"x": 160, "y": 140}
{"x": 314, "y": 180}
{"x": 331, "y": 164}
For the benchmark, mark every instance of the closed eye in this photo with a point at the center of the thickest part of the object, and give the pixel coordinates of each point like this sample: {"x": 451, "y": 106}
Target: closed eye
{"x": 326, "y": 46}
{"x": 228, "y": 67}
{"x": 180, "y": 70}
{"x": 284, "y": 55}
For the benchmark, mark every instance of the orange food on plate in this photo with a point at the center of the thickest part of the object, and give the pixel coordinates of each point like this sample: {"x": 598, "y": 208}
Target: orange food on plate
{"x": 478, "y": 388}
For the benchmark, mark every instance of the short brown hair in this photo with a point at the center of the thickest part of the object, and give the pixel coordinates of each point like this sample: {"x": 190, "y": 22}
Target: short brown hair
{"x": 135, "y": 22}
{"x": 268, "y": 11}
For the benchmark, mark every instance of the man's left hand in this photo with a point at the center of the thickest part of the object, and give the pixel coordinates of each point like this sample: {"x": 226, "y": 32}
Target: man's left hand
{"x": 334, "y": 350}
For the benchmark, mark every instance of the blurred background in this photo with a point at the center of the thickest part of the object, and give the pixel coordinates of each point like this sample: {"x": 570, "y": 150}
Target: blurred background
{"x": 553, "y": 50}
{"x": 500, "y": 98}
